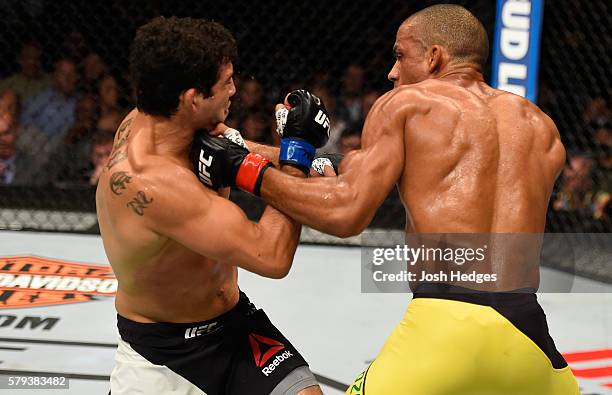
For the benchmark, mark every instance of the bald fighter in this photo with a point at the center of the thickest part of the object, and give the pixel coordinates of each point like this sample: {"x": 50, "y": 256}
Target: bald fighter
{"x": 175, "y": 246}
{"x": 468, "y": 159}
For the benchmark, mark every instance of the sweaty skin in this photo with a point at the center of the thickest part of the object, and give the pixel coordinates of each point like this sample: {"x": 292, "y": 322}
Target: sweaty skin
{"x": 466, "y": 158}
{"x": 175, "y": 245}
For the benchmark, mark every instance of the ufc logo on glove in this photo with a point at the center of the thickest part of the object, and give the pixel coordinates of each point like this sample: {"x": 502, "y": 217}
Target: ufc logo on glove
{"x": 322, "y": 119}
{"x": 203, "y": 166}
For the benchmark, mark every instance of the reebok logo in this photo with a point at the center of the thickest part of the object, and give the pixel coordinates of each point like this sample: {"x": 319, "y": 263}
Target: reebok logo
{"x": 272, "y": 347}
{"x": 277, "y": 361}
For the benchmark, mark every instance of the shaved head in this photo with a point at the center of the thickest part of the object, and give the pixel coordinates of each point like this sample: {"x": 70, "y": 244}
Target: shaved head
{"x": 452, "y": 27}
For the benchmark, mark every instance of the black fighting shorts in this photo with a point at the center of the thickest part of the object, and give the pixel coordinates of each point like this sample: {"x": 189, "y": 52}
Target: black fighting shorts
{"x": 239, "y": 352}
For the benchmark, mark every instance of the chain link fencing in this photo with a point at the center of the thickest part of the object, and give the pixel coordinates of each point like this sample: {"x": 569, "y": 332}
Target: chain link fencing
{"x": 63, "y": 80}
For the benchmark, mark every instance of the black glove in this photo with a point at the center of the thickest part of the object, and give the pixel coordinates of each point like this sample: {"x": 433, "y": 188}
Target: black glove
{"x": 303, "y": 128}
{"x": 219, "y": 163}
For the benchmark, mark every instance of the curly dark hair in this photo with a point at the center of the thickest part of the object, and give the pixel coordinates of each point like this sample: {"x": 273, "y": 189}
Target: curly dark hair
{"x": 170, "y": 55}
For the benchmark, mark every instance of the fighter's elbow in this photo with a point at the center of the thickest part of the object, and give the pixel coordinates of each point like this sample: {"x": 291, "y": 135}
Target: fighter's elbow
{"x": 346, "y": 222}
{"x": 344, "y": 217}
{"x": 279, "y": 263}
{"x": 279, "y": 270}
{"x": 349, "y": 229}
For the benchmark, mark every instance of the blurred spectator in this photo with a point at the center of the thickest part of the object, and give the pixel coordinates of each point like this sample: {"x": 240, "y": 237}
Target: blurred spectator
{"x": 74, "y": 47}
{"x": 350, "y": 140}
{"x": 72, "y": 151}
{"x": 84, "y": 172}
{"x": 603, "y": 148}
{"x": 320, "y": 88}
{"x": 52, "y": 110}
{"x": 577, "y": 193}
{"x": 30, "y": 80}
{"x": 101, "y": 148}
{"x": 85, "y": 118}
{"x": 256, "y": 126}
{"x": 249, "y": 98}
{"x": 348, "y": 104}
{"x": 597, "y": 112}
{"x": 16, "y": 166}
{"x": 110, "y": 112}
{"x": 31, "y": 141}
{"x": 603, "y": 135}
{"x": 92, "y": 71}
{"x": 250, "y": 95}
{"x": 8, "y": 151}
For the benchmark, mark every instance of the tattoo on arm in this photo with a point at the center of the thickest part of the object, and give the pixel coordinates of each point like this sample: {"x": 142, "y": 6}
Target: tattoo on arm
{"x": 139, "y": 203}
{"x": 118, "y": 181}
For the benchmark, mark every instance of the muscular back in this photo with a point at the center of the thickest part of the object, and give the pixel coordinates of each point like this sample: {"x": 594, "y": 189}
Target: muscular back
{"x": 477, "y": 160}
{"x": 479, "y": 166}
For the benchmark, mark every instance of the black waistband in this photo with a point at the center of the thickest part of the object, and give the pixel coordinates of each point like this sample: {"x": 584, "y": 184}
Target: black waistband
{"x": 170, "y": 333}
{"x": 516, "y": 298}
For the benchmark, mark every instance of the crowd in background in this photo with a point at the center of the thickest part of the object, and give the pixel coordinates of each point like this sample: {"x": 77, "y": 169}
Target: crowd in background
{"x": 57, "y": 127}
{"x": 583, "y": 193}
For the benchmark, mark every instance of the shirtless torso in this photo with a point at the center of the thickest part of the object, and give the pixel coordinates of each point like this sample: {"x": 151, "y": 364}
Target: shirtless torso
{"x": 174, "y": 244}
{"x": 471, "y": 153}
{"x": 160, "y": 279}
{"x": 468, "y": 160}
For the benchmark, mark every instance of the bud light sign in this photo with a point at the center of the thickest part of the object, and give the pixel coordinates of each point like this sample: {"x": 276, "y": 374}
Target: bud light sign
{"x": 517, "y": 47}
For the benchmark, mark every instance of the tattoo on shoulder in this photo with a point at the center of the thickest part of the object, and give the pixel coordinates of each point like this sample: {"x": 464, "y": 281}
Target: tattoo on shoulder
{"x": 115, "y": 158}
{"x": 139, "y": 203}
{"x": 124, "y": 125}
{"x": 123, "y": 134}
{"x": 122, "y": 140}
{"x": 118, "y": 181}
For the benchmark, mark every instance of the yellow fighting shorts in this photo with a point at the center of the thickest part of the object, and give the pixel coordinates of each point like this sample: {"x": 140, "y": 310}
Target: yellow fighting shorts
{"x": 453, "y": 343}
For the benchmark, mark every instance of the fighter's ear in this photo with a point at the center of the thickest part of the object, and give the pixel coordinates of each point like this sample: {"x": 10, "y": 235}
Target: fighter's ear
{"x": 189, "y": 98}
{"x": 434, "y": 58}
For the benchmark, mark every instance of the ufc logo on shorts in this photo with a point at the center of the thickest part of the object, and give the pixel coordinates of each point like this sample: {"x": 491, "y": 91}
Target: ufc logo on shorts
{"x": 322, "y": 120}
{"x": 201, "y": 330}
{"x": 202, "y": 168}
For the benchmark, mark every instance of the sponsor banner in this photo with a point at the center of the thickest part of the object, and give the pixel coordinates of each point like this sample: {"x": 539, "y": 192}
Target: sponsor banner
{"x": 516, "y": 47}
{"x": 30, "y": 281}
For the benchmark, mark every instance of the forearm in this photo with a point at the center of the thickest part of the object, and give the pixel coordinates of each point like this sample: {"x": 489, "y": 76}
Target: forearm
{"x": 267, "y": 151}
{"x": 282, "y": 233}
{"x": 322, "y": 203}
{"x": 280, "y": 237}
